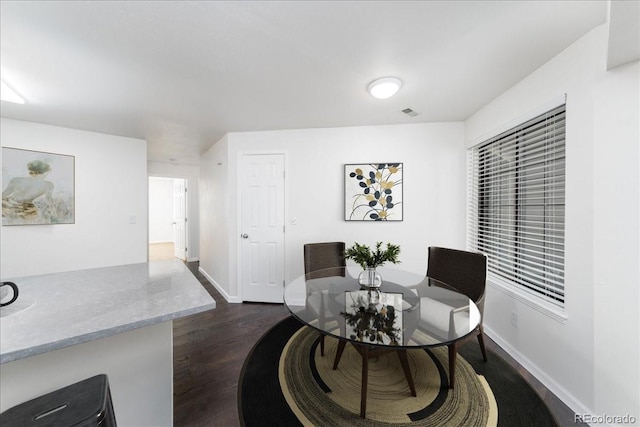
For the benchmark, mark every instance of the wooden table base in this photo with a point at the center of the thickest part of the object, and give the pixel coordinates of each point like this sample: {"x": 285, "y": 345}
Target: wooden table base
{"x": 366, "y": 352}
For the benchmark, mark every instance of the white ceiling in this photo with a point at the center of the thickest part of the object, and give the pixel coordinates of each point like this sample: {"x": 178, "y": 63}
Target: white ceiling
{"x": 181, "y": 74}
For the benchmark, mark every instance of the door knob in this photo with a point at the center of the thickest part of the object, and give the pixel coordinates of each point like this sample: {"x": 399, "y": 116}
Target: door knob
{"x": 244, "y": 235}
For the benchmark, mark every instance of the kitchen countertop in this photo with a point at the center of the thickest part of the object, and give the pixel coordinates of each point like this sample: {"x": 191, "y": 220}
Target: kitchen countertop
{"x": 59, "y": 310}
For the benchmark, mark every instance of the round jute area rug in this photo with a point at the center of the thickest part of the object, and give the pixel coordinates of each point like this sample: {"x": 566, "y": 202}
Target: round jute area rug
{"x": 321, "y": 396}
{"x": 285, "y": 382}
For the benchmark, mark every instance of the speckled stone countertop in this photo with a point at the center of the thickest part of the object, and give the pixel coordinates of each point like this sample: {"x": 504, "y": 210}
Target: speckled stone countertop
{"x": 59, "y": 310}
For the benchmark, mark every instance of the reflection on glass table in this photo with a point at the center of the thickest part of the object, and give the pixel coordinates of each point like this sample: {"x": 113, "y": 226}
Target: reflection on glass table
{"x": 373, "y": 316}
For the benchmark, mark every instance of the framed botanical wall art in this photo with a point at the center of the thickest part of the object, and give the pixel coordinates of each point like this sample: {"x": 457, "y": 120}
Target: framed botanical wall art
{"x": 37, "y": 187}
{"x": 373, "y": 192}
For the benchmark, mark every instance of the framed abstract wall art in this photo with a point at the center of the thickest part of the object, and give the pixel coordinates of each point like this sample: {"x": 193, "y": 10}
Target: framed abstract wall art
{"x": 373, "y": 192}
{"x": 37, "y": 187}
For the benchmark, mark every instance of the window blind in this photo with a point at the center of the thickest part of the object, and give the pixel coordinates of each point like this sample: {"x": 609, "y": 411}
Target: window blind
{"x": 517, "y": 205}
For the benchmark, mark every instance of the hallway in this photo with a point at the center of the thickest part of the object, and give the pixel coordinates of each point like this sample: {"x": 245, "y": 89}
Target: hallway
{"x": 161, "y": 251}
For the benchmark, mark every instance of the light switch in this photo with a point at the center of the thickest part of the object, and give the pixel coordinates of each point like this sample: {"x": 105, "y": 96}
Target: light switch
{"x": 132, "y": 219}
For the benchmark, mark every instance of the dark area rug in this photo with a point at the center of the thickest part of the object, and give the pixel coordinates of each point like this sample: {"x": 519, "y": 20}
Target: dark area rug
{"x": 262, "y": 402}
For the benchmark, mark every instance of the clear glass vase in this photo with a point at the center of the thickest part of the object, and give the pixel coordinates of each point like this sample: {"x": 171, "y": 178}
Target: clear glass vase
{"x": 370, "y": 278}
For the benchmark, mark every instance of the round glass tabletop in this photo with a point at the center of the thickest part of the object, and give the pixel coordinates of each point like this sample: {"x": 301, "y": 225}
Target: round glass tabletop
{"x": 408, "y": 310}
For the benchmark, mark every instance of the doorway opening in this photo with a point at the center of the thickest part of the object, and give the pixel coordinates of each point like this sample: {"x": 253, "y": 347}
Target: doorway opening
{"x": 167, "y": 218}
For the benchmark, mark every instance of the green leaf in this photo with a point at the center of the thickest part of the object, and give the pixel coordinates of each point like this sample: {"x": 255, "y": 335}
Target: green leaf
{"x": 365, "y": 257}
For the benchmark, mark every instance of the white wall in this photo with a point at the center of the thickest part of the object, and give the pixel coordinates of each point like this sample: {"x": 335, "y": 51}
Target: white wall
{"x": 191, "y": 174}
{"x": 591, "y": 361}
{"x": 434, "y": 192}
{"x": 110, "y": 193}
{"x": 161, "y": 210}
{"x": 216, "y": 230}
{"x": 616, "y": 236}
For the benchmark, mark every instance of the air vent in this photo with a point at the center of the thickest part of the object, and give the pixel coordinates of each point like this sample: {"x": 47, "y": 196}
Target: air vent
{"x": 409, "y": 112}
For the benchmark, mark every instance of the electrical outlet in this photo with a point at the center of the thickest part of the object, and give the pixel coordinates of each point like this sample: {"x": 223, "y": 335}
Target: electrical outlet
{"x": 514, "y": 319}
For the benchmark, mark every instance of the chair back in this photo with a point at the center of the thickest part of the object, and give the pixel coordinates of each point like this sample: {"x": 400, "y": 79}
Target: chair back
{"x": 464, "y": 271}
{"x": 324, "y": 260}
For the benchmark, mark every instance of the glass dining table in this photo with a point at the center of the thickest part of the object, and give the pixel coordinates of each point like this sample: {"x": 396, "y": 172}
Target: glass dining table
{"x": 407, "y": 312}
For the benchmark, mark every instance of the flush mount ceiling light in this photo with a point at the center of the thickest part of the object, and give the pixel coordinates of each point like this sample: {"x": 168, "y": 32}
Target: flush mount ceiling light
{"x": 10, "y": 95}
{"x": 384, "y": 87}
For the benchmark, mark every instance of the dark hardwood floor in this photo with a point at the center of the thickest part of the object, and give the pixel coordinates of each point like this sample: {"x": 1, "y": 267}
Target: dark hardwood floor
{"x": 210, "y": 349}
{"x": 208, "y": 352}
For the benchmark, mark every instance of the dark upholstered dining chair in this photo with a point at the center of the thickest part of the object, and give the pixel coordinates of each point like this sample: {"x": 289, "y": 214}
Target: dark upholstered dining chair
{"x": 466, "y": 272}
{"x": 323, "y": 260}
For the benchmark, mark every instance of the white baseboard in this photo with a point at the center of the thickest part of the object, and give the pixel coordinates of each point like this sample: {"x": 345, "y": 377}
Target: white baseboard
{"x": 194, "y": 259}
{"x": 574, "y": 404}
{"x": 225, "y": 295}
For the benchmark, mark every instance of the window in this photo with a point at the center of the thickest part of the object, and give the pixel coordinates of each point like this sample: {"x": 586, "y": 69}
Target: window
{"x": 517, "y": 200}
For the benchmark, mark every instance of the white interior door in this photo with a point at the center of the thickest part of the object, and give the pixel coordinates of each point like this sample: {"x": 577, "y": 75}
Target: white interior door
{"x": 180, "y": 218}
{"x": 262, "y": 227}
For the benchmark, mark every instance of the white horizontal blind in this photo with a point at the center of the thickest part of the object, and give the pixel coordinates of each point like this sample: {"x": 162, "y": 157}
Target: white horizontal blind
{"x": 516, "y": 204}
